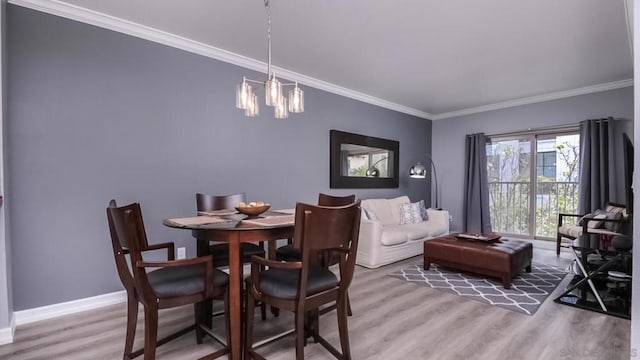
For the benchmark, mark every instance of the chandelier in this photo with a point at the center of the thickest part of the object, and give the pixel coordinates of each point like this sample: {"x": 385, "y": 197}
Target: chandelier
{"x": 247, "y": 99}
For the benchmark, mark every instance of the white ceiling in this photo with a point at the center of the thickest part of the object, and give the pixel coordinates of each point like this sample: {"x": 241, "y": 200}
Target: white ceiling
{"x": 437, "y": 57}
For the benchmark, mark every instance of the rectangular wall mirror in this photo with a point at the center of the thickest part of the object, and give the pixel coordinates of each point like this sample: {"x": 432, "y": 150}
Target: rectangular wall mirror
{"x": 359, "y": 161}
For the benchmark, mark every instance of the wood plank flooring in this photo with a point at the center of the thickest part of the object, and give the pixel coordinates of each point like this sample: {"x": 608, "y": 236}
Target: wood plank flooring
{"x": 392, "y": 319}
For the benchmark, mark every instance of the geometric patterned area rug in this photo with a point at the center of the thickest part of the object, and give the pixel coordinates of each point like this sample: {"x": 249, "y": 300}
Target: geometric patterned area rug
{"x": 528, "y": 290}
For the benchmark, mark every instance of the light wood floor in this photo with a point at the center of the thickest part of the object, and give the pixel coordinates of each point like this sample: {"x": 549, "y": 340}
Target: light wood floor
{"x": 392, "y": 319}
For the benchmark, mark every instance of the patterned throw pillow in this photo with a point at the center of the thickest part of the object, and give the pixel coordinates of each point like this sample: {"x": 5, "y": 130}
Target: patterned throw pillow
{"x": 423, "y": 211}
{"x": 410, "y": 213}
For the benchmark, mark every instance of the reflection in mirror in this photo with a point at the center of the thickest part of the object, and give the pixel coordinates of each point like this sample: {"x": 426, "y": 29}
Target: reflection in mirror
{"x": 359, "y": 161}
{"x": 364, "y": 161}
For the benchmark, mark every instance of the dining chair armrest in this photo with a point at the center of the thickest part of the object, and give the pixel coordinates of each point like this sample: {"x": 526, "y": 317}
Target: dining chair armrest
{"x": 571, "y": 215}
{"x": 171, "y": 253}
{"x": 175, "y": 263}
{"x": 276, "y": 264}
{"x": 561, "y": 215}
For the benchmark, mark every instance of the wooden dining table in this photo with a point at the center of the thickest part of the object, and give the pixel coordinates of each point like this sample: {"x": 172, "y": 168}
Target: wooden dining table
{"x": 234, "y": 231}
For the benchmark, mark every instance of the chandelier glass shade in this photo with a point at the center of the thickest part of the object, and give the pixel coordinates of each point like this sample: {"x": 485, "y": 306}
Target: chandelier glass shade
{"x": 247, "y": 99}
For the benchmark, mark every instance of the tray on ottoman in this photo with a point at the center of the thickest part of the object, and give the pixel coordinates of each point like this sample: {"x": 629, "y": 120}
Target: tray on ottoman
{"x": 503, "y": 258}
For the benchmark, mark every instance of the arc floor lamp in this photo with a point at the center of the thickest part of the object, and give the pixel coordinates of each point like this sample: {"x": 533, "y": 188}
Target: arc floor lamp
{"x": 419, "y": 171}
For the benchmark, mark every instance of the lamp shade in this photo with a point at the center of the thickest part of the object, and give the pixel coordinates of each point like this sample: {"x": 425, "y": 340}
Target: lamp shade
{"x": 296, "y": 100}
{"x": 273, "y": 89}
{"x": 243, "y": 95}
{"x": 373, "y": 172}
{"x": 280, "y": 109}
{"x": 252, "y": 109}
{"x": 418, "y": 171}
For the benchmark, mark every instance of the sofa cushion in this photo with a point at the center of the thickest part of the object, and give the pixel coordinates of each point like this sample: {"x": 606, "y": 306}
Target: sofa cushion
{"x": 394, "y": 206}
{"x": 392, "y": 235}
{"x": 410, "y": 213}
{"x": 417, "y": 231}
{"x": 381, "y": 209}
{"x": 570, "y": 230}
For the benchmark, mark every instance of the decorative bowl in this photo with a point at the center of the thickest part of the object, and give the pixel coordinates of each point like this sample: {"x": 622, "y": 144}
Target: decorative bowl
{"x": 253, "y": 210}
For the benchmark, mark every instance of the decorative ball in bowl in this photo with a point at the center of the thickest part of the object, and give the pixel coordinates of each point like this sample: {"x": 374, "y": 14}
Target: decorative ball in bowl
{"x": 253, "y": 208}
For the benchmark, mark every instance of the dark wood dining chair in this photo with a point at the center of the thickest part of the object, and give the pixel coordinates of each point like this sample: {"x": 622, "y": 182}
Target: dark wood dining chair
{"x": 169, "y": 284}
{"x": 290, "y": 253}
{"x": 306, "y": 285}
{"x": 220, "y": 251}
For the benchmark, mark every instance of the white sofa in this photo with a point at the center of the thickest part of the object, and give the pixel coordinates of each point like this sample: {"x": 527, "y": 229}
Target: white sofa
{"x": 383, "y": 240}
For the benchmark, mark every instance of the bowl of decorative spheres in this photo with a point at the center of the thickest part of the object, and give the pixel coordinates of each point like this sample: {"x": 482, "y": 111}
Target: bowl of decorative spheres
{"x": 252, "y": 209}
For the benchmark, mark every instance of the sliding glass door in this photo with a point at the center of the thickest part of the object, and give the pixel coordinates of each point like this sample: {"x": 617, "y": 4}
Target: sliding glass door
{"x": 531, "y": 178}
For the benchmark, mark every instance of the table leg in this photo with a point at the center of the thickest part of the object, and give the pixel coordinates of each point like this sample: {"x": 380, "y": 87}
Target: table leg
{"x": 235, "y": 298}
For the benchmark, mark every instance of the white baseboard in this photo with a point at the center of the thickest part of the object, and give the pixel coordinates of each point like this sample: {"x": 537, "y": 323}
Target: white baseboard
{"x": 6, "y": 334}
{"x": 66, "y": 308}
{"x": 70, "y": 307}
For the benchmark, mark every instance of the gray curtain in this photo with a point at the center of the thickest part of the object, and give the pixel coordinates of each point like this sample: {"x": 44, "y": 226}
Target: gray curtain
{"x": 597, "y": 167}
{"x": 476, "y": 186}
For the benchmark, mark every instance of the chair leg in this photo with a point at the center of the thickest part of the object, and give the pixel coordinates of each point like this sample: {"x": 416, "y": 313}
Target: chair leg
{"x": 342, "y": 328}
{"x": 251, "y": 304}
{"x": 300, "y": 333}
{"x": 132, "y": 321}
{"x": 197, "y": 314}
{"x": 349, "y": 312}
{"x": 558, "y": 240}
{"x": 150, "y": 331}
{"x": 227, "y": 319}
{"x": 263, "y": 311}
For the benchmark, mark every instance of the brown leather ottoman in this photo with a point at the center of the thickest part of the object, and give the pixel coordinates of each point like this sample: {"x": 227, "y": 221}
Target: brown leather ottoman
{"x": 502, "y": 258}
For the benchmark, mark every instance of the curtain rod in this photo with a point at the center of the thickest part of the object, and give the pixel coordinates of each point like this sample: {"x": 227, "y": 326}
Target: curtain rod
{"x": 529, "y": 131}
{"x": 567, "y": 127}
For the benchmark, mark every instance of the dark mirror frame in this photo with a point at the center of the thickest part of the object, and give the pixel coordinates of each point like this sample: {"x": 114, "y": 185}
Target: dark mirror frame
{"x": 338, "y": 181}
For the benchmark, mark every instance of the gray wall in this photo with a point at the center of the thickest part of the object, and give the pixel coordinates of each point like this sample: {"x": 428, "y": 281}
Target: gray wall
{"x": 6, "y": 306}
{"x": 449, "y": 134}
{"x": 95, "y": 115}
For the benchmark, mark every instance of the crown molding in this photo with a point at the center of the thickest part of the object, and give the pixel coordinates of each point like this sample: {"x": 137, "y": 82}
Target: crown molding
{"x": 536, "y": 99}
{"x": 105, "y": 21}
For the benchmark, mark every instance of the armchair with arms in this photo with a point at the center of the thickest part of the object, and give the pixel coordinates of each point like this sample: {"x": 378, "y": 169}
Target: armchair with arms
{"x": 605, "y": 223}
{"x": 159, "y": 284}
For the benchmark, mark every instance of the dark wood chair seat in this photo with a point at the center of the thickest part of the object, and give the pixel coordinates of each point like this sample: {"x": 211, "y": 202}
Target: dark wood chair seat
{"x": 220, "y": 252}
{"x": 287, "y": 253}
{"x": 183, "y": 281}
{"x": 283, "y": 283}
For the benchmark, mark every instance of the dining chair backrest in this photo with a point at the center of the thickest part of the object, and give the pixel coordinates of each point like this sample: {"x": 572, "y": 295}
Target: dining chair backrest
{"x": 334, "y": 229}
{"x": 128, "y": 236}
{"x": 206, "y": 202}
{"x": 330, "y": 200}
{"x": 125, "y": 238}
